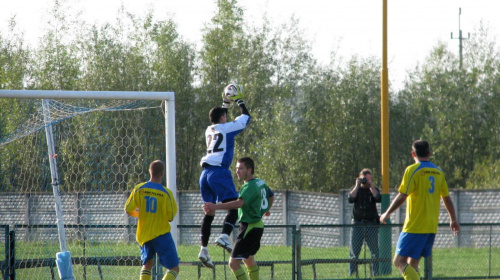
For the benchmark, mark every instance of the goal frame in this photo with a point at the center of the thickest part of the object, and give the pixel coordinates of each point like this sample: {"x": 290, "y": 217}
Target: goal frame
{"x": 168, "y": 97}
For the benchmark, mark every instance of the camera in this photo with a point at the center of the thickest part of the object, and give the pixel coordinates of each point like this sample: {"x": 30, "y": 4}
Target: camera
{"x": 363, "y": 180}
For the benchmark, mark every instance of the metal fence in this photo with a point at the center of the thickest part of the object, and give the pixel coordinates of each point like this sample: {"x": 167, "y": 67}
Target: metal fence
{"x": 287, "y": 252}
{"x": 474, "y": 253}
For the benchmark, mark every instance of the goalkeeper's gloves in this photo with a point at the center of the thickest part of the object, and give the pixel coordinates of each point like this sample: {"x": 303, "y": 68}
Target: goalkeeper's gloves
{"x": 239, "y": 101}
{"x": 226, "y": 102}
{"x": 233, "y": 92}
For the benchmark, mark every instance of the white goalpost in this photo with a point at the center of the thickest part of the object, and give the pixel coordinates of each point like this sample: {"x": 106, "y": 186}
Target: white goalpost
{"x": 63, "y": 258}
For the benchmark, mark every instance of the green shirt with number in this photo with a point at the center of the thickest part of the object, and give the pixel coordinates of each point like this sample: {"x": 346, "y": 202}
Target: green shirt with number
{"x": 256, "y": 195}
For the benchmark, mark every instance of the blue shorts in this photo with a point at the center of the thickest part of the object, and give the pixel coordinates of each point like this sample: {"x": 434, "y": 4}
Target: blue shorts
{"x": 415, "y": 245}
{"x": 216, "y": 184}
{"x": 164, "y": 246}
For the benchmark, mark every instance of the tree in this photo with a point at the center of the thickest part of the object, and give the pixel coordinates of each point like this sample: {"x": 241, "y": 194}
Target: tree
{"x": 220, "y": 55}
{"x": 452, "y": 108}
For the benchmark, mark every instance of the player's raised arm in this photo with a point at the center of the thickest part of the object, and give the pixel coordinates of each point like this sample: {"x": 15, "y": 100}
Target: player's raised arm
{"x": 234, "y": 92}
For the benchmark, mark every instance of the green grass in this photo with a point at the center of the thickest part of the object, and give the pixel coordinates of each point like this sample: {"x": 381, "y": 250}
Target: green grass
{"x": 455, "y": 262}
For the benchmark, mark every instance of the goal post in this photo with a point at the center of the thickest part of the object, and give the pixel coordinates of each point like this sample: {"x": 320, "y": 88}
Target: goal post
{"x": 169, "y": 121}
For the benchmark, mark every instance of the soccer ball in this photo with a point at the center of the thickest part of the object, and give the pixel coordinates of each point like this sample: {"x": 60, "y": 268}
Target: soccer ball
{"x": 233, "y": 91}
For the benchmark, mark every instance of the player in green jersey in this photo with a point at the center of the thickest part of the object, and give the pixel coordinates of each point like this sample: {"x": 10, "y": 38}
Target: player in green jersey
{"x": 254, "y": 200}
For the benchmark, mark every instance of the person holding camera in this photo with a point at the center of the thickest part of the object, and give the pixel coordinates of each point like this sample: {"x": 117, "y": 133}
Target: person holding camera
{"x": 365, "y": 196}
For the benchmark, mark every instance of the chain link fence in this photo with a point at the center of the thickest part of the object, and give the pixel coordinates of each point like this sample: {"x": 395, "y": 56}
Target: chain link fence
{"x": 287, "y": 252}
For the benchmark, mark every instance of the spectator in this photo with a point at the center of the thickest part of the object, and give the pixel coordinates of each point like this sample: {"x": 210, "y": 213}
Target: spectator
{"x": 364, "y": 195}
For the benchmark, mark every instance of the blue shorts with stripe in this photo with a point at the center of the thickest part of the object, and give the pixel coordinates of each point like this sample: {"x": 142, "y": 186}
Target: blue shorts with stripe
{"x": 164, "y": 246}
{"x": 415, "y": 245}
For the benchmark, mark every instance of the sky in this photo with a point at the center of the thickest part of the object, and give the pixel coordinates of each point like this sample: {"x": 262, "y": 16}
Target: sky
{"x": 350, "y": 27}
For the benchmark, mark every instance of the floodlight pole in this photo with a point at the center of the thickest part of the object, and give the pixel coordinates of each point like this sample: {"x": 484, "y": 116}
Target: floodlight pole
{"x": 385, "y": 232}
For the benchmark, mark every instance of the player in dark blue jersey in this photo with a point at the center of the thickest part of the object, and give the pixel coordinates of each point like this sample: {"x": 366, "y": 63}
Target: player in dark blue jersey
{"x": 216, "y": 181}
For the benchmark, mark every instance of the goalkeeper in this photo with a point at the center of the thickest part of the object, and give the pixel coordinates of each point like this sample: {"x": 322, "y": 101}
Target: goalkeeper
{"x": 216, "y": 181}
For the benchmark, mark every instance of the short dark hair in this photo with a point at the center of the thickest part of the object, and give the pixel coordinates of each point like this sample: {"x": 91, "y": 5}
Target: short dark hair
{"x": 216, "y": 113}
{"x": 365, "y": 171}
{"x": 248, "y": 162}
{"x": 421, "y": 148}
{"x": 157, "y": 168}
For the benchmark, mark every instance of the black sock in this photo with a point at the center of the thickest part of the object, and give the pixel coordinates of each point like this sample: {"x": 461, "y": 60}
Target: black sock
{"x": 206, "y": 229}
{"x": 229, "y": 221}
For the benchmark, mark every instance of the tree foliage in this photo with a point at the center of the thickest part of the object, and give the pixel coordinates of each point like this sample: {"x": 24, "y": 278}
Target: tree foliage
{"x": 314, "y": 126}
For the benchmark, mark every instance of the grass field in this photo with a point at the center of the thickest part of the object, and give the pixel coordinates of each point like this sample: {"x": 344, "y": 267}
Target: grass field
{"x": 455, "y": 262}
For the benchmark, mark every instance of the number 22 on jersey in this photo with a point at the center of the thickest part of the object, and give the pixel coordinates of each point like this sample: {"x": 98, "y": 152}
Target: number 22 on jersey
{"x": 214, "y": 143}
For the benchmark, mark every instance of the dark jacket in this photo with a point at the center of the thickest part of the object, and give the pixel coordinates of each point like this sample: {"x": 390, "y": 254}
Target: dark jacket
{"x": 365, "y": 205}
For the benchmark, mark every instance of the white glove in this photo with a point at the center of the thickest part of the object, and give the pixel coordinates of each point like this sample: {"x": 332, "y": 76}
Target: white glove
{"x": 226, "y": 102}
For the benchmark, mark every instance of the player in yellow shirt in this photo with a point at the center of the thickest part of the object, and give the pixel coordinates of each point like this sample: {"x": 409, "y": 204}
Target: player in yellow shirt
{"x": 423, "y": 186}
{"x": 155, "y": 207}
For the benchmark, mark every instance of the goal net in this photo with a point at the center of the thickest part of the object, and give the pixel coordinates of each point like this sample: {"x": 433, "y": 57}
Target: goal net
{"x": 68, "y": 161}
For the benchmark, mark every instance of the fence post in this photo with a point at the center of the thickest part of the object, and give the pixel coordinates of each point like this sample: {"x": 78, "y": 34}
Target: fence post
{"x": 385, "y": 252}
{"x": 490, "y": 253}
{"x": 12, "y": 255}
{"x": 428, "y": 268}
{"x": 284, "y": 212}
{"x": 298, "y": 255}
{"x": 342, "y": 205}
{"x": 7, "y": 249}
{"x": 27, "y": 215}
{"x": 456, "y": 202}
{"x": 126, "y": 219}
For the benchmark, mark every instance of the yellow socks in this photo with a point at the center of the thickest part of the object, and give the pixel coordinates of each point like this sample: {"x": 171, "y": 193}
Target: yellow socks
{"x": 145, "y": 274}
{"x": 171, "y": 275}
{"x": 409, "y": 273}
{"x": 253, "y": 272}
{"x": 240, "y": 274}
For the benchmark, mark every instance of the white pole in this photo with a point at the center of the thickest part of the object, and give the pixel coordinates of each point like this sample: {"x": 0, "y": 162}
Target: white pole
{"x": 66, "y": 271}
{"x": 54, "y": 174}
{"x": 170, "y": 158}
{"x": 66, "y": 94}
